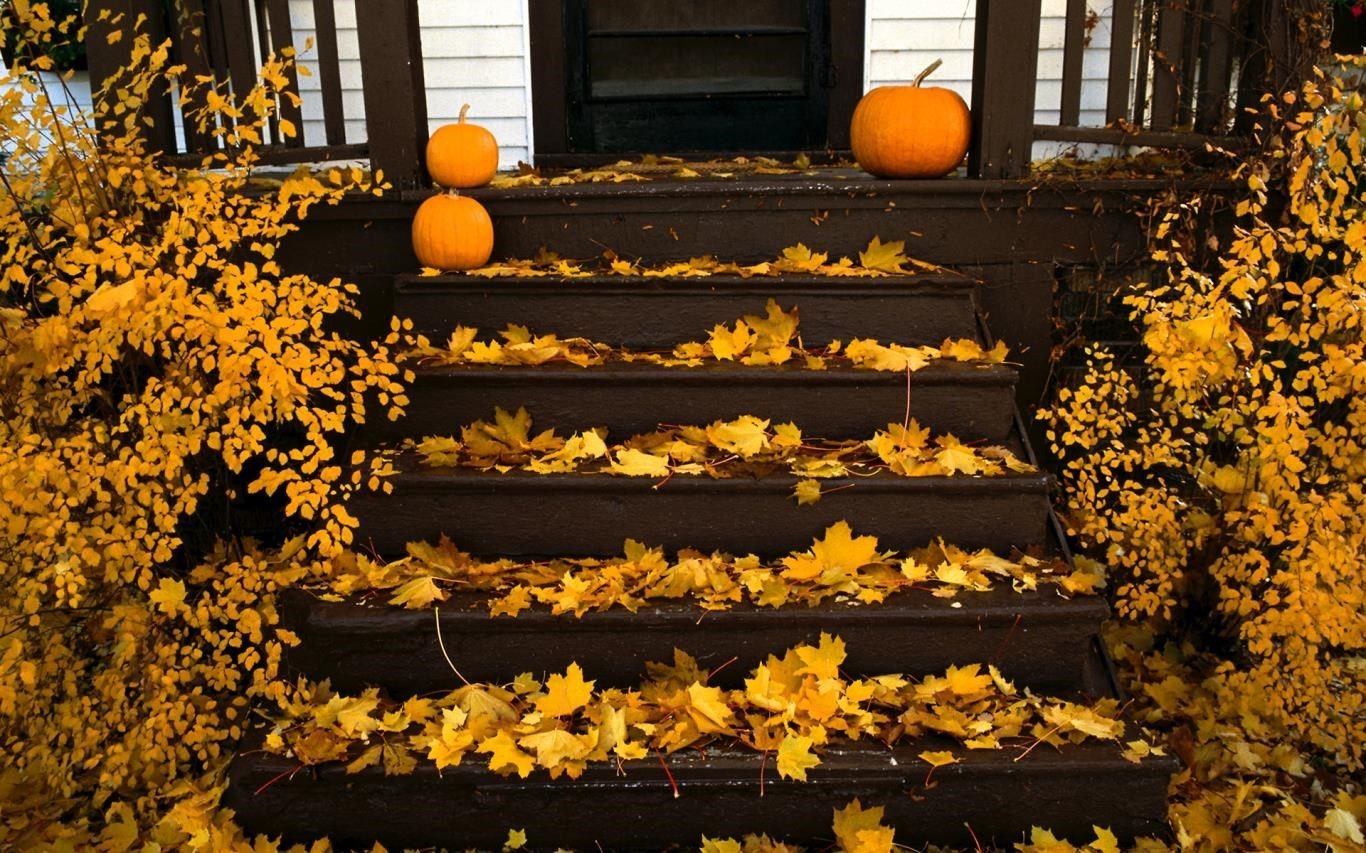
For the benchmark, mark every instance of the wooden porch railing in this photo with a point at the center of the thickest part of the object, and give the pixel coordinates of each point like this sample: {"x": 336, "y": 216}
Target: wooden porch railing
{"x": 1170, "y": 72}
{"x": 1170, "y": 77}
{"x": 228, "y": 39}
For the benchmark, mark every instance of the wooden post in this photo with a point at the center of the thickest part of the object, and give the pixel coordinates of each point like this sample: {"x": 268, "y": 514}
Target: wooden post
{"x": 107, "y": 57}
{"x": 1004, "y": 72}
{"x": 395, "y": 95}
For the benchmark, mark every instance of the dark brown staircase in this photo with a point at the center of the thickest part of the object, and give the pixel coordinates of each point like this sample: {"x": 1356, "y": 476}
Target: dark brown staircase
{"x": 1040, "y": 639}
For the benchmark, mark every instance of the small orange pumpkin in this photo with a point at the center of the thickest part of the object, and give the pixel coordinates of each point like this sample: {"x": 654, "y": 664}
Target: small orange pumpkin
{"x": 910, "y": 131}
{"x": 452, "y": 232}
{"x": 462, "y": 155}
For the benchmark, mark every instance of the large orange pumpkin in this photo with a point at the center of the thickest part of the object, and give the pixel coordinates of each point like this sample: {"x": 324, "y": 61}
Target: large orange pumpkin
{"x": 910, "y": 131}
{"x": 452, "y": 232}
{"x": 462, "y": 155}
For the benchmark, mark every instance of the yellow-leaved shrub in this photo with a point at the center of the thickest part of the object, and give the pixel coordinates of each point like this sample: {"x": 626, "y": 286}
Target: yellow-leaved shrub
{"x": 1225, "y": 484}
{"x": 161, "y": 379}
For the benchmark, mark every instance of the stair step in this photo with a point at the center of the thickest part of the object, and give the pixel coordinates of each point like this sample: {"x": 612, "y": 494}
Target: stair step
{"x": 988, "y": 799}
{"x": 974, "y": 402}
{"x": 519, "y": 514}
{"x": 660, "y": 313}
{"x": 1038, "y": 639}
{"x": 835, "y": 210}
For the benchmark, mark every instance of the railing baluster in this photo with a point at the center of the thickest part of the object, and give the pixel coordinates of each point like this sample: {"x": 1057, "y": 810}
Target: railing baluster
{"x": 281, "y": 37}
{"x": 1193, "y": 39}
{"x": 1147, "y": 14}
{"x": 1215, "y": 71}
{"x": 107, "y": 55}
{"x": 1117, "y": 99}
{"x": 395, "y": 97}
{"x": 235, "y": 19}
{"x": 1004, "y": 67}
{"x": 189, "y": 35}
{"x": 1171, "y": 26}
{"x": 329, "y": 71}
{"x": 1074, "y": 45}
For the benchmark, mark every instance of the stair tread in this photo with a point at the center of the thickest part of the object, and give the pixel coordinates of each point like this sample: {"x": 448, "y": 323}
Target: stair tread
{"x": 1039, "y": 639}
{"x": 939, "y": 372}
{"x": 652, "y": 312}
{"x": 761, "y": 285}
{"x": 719, "y": 792}
{"x": 522, "y": 513}
{"x": 975, "y": 402}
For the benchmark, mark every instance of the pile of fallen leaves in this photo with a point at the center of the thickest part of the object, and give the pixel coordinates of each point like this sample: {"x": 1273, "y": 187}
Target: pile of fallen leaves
{"x": 655, "y": 167}
{"x": 752, "y": 340}
{"x": 746, "y": 446}
{"x": 838, "y": 566}
{"x": 791, "y": 707}
{"x": 879, "y": 260}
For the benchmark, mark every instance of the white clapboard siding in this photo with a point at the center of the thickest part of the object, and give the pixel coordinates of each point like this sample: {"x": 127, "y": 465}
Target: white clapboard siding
{"x": 478, "y": 53}
{"x": 473, "y": 53}
{"x": 905, "y": 36}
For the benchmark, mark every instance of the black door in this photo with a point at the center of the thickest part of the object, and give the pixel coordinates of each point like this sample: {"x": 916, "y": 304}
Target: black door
{"x": 696, "y": 75}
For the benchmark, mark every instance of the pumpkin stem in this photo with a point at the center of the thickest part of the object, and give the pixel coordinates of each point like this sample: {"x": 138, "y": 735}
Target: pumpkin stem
{"x": 464, "y": 111}
{"x": 919, "y": 78}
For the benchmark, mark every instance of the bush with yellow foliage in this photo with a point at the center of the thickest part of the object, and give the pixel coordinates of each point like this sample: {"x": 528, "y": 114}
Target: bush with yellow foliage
{"x": 160, "y": 377}
{"x": 1224, "y": 486}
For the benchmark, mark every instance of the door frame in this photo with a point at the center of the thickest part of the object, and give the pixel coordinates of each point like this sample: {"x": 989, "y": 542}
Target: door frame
{"x": 549, "y": 68}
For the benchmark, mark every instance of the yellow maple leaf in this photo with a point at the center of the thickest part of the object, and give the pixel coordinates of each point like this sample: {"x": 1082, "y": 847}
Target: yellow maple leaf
{"x": 746, "y": 436}
{"x": 795, "y": 757}
{"x": 555, "y": 747}
{"x": 720, "y": 845}
{"x": 968, "y": 680}
{"x": 637, "y": 463}
{"x": 852, "y": 821}
{"x": 962, "y": 349}
{"x": 824, "y": 660}
{"x": 799, "y": 258}
{"x": 940, "y": 758}
{"x": 506, "y": 757}
{"x": 807, "y": 492}
{"x": 727, "y": 344}
{"x": 516, "y": 839}
{"x": 708, "y": 709}
{"x": 418, "y": 593}
{"x": 884, "y": 257}
{"x": 461, "y": 340}
{"x": 839, "y": 548}
{"x": 775, "y": 329}
{"x": 957, "y": 458}
{"x": 566, "y": 693}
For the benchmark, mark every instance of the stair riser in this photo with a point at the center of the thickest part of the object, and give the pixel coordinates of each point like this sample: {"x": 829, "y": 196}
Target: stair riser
{"x": 1045, "y": 645}
{"x": 552, "y": 516}
{"x": 989, "y": 798}
{"x": 837, "y": 405}
{"x": 944, "y": 222}
{"x": 659, "y": 314}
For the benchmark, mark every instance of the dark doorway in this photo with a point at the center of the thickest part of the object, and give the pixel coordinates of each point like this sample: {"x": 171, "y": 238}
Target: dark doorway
{"x": 662, "y": 76}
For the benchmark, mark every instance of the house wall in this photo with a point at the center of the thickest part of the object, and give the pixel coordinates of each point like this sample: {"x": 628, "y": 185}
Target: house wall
{"x": 478, "y": 53}
{"x": 905, "y": 36}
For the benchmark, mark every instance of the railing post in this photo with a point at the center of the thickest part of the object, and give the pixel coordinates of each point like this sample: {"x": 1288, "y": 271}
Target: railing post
{"x": 395, "y": 94}
{"x": 107, "y": 53}
{"x": 1004, "y": 73}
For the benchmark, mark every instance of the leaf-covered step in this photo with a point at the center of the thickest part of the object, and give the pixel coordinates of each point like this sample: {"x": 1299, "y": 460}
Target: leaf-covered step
{"x": 659, "y": 312}
{"x": 519, "y": 514}
{"x": 989, "y": 798}
{"x": 1038, "y": 639}
{"x": 972, "y": 401}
